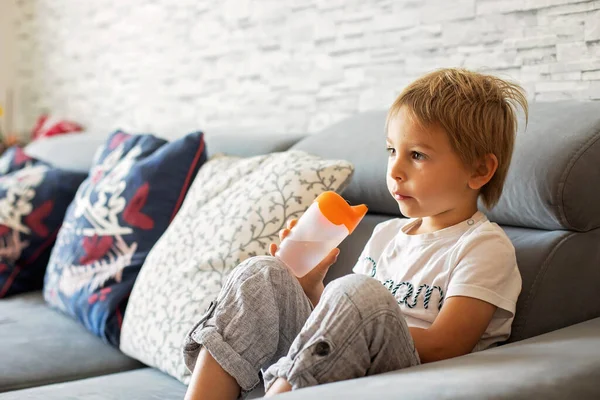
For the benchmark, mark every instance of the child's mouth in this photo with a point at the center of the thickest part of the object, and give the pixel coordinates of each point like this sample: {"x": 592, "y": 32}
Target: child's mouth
{"x": 401, "y": 197}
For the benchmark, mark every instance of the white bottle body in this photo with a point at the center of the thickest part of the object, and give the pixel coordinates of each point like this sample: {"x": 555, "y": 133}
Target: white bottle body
{"x": 309, "y": 242}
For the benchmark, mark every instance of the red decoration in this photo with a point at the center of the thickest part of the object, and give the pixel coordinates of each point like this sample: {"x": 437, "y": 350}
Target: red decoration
{"x": 47, "y": 126}
{"x": 95, "y": 248}
{"x": 34, "y": 219}
{"x": 133, "y": 214}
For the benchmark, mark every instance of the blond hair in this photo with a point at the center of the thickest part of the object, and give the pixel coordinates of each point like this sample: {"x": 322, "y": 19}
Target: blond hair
{"x": 477, "y": 111}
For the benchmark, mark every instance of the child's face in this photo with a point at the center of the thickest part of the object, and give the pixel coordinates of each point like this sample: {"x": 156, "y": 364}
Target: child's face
{"x": 424, "y": 174}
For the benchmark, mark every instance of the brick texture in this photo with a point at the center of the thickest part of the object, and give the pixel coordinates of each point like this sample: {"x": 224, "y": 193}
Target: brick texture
{"x": 284, "y": 66}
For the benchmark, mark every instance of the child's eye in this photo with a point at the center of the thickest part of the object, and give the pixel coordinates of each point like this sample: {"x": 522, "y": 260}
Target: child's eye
{"x": 418, "y": 156}
{"x": 390, "y": 150}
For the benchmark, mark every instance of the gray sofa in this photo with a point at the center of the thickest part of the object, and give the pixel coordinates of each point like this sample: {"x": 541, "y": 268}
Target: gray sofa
{"x": 550, "y": 209}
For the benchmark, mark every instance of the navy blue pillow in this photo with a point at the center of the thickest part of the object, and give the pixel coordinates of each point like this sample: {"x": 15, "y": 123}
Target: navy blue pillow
{"x": 33, "y": 201}
{"x": 133, "y": 192}
{"x": 13, "y": 159}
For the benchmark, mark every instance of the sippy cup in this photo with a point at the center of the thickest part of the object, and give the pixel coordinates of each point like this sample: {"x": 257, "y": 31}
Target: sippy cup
{"x": 327, "y": 222}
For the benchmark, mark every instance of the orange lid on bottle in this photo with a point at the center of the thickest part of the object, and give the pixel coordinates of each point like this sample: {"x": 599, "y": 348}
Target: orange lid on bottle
{"x": 338, "y": 211}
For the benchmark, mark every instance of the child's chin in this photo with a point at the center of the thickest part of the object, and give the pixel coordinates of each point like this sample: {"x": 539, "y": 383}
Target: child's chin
{"x": 406, "y": 212}
{"x": 409, "y": 213}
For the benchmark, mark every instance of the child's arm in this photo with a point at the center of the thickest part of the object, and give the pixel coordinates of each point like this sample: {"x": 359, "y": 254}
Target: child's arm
{"x": 455, "y": 331}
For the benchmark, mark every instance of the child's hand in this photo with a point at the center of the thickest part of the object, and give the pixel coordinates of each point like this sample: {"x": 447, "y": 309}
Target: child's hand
{"x": 312, "y": 283}
{"x": 282, "y": 234}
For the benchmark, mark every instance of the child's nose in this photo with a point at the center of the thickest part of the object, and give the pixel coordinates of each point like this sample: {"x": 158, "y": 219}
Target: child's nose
{"x": 397, "y": 170}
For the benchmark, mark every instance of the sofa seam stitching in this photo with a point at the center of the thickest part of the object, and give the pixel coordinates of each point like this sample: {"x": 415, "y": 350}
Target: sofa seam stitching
{"x": 539, "y": 277}
{"x": 560, "y": 195}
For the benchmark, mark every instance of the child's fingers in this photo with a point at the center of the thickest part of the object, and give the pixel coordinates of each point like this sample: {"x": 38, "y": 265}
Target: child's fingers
{"x": 273, "y": 249}
{"x": 327, "y": 262}
{"x": 283, "y": 233}
{"x": 333, "y": 255}
{"x": 291, "y": 223}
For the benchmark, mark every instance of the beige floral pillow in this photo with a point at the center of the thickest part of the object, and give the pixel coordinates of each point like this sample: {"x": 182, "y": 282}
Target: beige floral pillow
{"x": 234, "y": 210}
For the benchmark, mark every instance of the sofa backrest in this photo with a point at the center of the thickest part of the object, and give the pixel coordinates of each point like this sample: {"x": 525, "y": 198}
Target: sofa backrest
{"x": 75, "y": 151}
{"x": 71, "y": 151}
{"x": 233, "y": 143}
{"x": 548, "y": 207}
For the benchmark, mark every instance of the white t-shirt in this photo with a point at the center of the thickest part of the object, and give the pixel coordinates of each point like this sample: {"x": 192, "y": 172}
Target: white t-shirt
{"x": 473, "y": 258}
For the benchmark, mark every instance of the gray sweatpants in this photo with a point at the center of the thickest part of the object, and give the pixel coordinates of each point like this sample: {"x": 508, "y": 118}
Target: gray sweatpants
{"x": 263, "y": 322}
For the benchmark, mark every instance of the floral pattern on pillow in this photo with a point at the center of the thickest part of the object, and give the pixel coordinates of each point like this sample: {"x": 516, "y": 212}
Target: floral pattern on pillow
{"x": 33, "y": 201}
{"x": 234, "y": 210}
{"x": 132, "y": 194}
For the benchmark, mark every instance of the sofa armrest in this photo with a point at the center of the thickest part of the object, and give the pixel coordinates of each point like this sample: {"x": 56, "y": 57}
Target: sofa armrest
{"x": 560, "y": 364}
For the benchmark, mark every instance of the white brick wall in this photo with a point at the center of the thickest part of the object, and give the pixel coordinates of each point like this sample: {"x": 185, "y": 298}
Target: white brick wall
{"x": 7, "y": 63}
{"x": 288, "y": 66}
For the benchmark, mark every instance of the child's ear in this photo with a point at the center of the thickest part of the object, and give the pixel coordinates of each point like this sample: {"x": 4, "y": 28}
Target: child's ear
{"x": 483, "y": 171}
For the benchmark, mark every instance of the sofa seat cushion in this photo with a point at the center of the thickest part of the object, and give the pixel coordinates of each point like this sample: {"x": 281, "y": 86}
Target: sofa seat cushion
{"x": 564, "y": 364}
{"x": 39, "y": 345}
{"x": 142, "y": 384}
